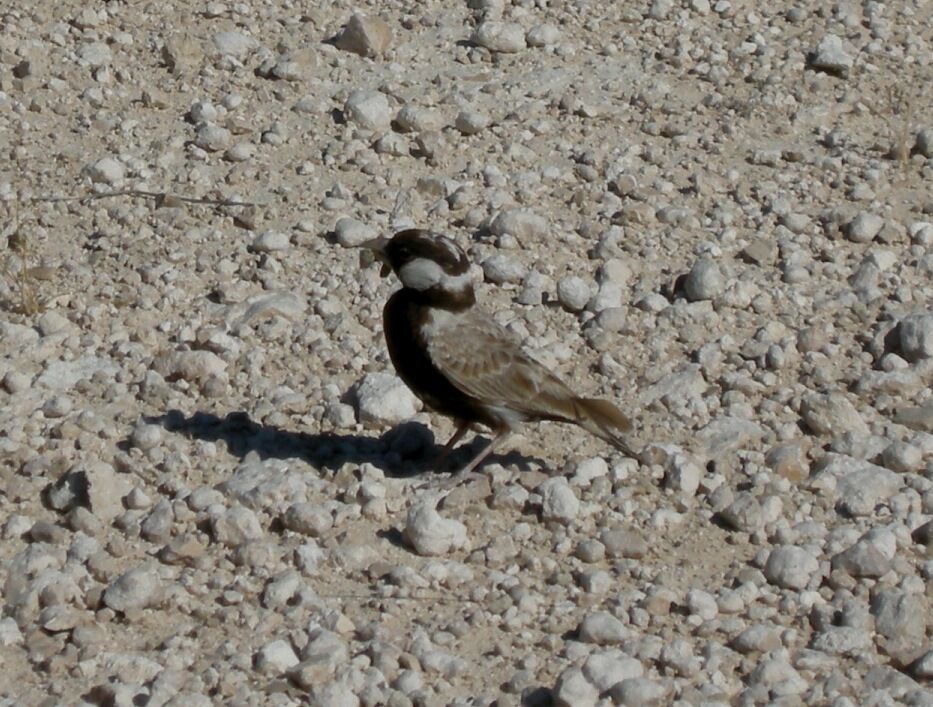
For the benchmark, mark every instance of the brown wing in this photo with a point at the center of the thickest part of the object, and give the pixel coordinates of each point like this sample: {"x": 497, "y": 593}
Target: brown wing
{"x": 483, "y": 360}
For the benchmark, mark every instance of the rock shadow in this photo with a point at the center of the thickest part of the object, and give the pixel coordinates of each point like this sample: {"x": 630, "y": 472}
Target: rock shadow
{"x": 408, "y": 449}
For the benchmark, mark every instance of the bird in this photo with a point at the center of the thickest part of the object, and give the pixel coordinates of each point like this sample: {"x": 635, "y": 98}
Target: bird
{"x": 464, "y": 365}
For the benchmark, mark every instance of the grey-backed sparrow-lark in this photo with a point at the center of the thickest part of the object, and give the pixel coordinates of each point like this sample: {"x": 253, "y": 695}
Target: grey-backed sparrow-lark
{"x": 460, "y": 362}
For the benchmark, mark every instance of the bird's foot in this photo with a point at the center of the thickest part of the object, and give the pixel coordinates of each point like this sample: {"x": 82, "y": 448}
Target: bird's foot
{"x": 457, "y": 479}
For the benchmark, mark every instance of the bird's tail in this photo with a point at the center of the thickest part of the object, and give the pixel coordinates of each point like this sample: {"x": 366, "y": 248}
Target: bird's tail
{"x": 604, "y": 420}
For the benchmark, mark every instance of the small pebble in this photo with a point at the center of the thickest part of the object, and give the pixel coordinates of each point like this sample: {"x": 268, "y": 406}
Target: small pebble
{"x": 573, "y": 293}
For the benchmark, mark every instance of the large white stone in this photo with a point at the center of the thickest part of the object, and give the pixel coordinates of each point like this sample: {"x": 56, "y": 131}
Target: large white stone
{"x": 428, "y": 533}
{"x": 790, "y": 567}
{"x": 383, "y": 398}
{"x": 505, "y": 37}
{"x": 137, "y": 589}
{"x": 368, "y": 109}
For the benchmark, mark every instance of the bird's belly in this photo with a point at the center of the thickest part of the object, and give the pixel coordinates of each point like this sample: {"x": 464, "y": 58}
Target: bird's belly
{"x": 403, "y": 323}
{"x": 505, "y": 417}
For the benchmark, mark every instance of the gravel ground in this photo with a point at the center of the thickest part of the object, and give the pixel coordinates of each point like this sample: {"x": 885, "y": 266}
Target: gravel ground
{"x": 214, "y": 490}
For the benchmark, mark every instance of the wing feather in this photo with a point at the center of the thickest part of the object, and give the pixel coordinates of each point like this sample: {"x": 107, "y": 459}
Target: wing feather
{"x": 484, "y": 360}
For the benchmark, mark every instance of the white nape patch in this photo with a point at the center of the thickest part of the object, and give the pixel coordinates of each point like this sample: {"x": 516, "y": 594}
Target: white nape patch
{"x": 458, "y": 283}
{"x": 423, "y": 274}
{"x": 450, "y": 246}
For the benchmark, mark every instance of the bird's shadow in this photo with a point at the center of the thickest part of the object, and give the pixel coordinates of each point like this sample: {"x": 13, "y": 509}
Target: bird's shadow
{"x": 408, "y": 449}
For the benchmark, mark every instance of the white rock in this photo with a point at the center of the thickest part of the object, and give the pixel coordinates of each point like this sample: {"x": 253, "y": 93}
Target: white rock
{"x": 271, "y": 242}
{"x": 542, "y": 35}
{"x": 863, "y": 559}
{"x": 864, "y": 227}
{"x": 236, "y": 525}
{"x": 235, "y": 44}
{"x": 924, "y": 142}
{"x": 573, "y": 293}
{"x": 137, "y": 499}
{"x": 704, "y": 281}
{"x": 105, "y": 490}
{"x": 106, "y": 170}
{"x": 830, "y": 55}
{"x": 774, "y": 671}
{"x": 590, "y": 469}
{"x": 340, "y": 415}
{"x": 308, "y": 519}
{"x": 558, "y": 501}
{"x": 212, "y": 137}
{"x": 352, "y": 233}
{"x": 9, "y": 632}
{"x": 790, "y": 567}
{"x": 759, "y": 638}
{"x": 501, "y": 269}
{"x": 921, "y": 232}
{"x": 383, "y": 399}
{"x": 63, "y": 375}
{"x": 660, "y": 9}
{"x": 275, "y": 657}
{"x": 430, "y": 534}
{"x": 727, "y": 434}
{"x": 295, "y": 66}
{"x": 57, "y": 406}
{"x": 902, "y": 457}
{"x": 922, "y": 669}
{"x": 842, "y": 640}
{"x": 416, "y": 119}
{"x": 471, "y": 122}
{"x": 366, "y": 36}
{"x": 744, "y": 513}
{"x": 137, "y": 589}
{"x": 859, "y": 485}
{"x": 202, "y": 111}
{"x": 638, "y": 691}
{"x": 915, "y": 333}
{"x": 95, "y": 54}
{"x": 574, "y": 690}
{"x": 240, "y": 152}
{"x": 682, "y": 474}
{"x": 53, "y": 322}
{"x": 434, "y": 659}
{"x": 524, "y": 224}
{"x": 16, "y": 337}
{"x": 16, "y": 382}
{"x": 368, "y": 109}
{"x": 610, "y": 296}
{"x": 832, "y": 413}
{"x": 505, "y": 37}
{"x": 198, "y": 366}
{"x": 703, "y": 604}
{"x": 326, "y": 648}
{"x": 608, "y": 667}
{"x": 602, "y": 628}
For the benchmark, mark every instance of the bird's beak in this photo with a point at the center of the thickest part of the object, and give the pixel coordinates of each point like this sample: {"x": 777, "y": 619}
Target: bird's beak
{"x": 375, "y": 250}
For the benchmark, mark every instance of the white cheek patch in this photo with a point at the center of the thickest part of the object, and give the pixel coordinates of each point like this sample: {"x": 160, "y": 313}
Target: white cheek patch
{"x": 420, "y": 274}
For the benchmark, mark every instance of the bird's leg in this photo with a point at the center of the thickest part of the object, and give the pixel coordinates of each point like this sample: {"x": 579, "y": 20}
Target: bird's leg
{"x": 462, "y": 428}
{"x": 495, "y": 443}
{"x": 457, "y": 478}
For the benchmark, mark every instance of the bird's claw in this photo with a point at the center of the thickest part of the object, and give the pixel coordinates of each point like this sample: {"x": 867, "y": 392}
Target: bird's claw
{"x": 456, "y": 479}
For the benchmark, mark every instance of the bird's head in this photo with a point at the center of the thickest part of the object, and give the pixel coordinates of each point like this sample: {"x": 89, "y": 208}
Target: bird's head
{"x": 427, "y": 263}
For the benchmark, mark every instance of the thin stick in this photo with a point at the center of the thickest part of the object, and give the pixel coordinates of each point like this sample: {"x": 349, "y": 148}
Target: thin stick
{"x": 160, "y": 197}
